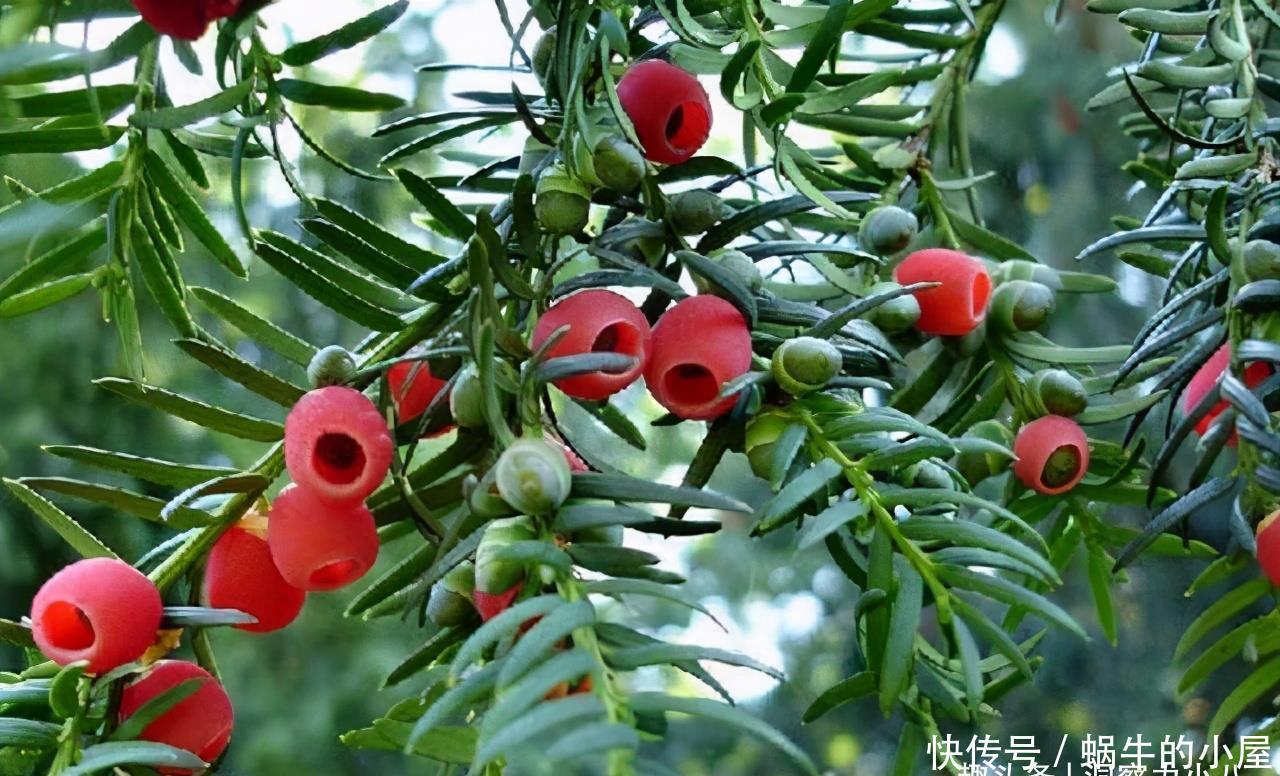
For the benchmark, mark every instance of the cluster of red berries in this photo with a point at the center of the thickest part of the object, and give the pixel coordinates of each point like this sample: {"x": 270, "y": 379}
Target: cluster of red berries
{"x": 319, "y": 536}
{"x": 696, "y": 347}
{"x": 104, "y": 613}
{"x": 185, "y": 19}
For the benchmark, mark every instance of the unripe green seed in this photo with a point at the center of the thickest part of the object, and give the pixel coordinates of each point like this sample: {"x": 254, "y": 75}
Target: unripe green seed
{"x": 694, "y": 212}
{"x": 739, "y": 264}
{"x": 563, "y": 204}
{"x": 1061, "y": 467}
{"x": 897, "y": 314}
{"x": 492, "y": 574}
{"x": 333, "y": 365}
{"x": 887, "y": 230}
{"x": 1020, "y": 269}
{"x": 544, "y": 52}
{"x": 928, "y": 474}
{"x": 969, "y": 344}
{"x": 533, "y": 477}
{"x": 466, "y": 401}
{"x": 1022, "y": 305}
{"x": 805, "y": 364}
{"x": 461, "y": 579}
{"x": 976, "y": 467}
{"x": 1262, "y": 260}
{"x": 1058, "y": 392}
{"x": 618, "y": 164}
{"x": 448, "y": 609}
{"x": 762, "y": 432}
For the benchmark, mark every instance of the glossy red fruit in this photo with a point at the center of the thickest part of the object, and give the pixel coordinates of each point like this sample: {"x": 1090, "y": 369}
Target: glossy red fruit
{"x": 336, "y": 444}
{"x": 240, "y": 574}
{"x": 1207, "y": 376}
{"x": 958, "y": 305}
{"x": 1052, "y": 453}
{"x": 200, "y": 723}
{"x": 490, "y": 605}
{"x": 413, "y": 387}
{"x": 319, "y": 545}
{"x": 100, "y": 610}
{"x": 185, "y": 19}
{"x": 1269, "y": 547}
{"x": 698, "y": 345}
{"x": 669, "y": 108}
{"x": 599, "y": 321}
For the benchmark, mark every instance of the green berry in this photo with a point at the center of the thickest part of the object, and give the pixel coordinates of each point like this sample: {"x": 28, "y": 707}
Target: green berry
{"x": 887, "y": 230}
{"x": 1262, "y": 260}
{"x": 533, "y": 477}
{"x": 805, "y": 364}
{"x": 544, "y": 52}
{"x": 466, "y": 401}
{"x": 739, "y": 264}
{"x": 618, "y": 164}
{"x": 977, "y": 466}
{"x": 762, "y": 432}
{"x": 563, "y": 204}
{"x": 493, "y": 574}
{"x": 694, "y": 212}
{"x": 1022, "y": 305}
{"x": 897, "y": 314}
{"x": 450, "y": 602}
{"x": 1058, "y": 392}
{"x": 332, "y": 366}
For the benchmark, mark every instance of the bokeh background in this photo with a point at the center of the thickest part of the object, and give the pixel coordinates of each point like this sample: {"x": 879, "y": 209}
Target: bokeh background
{"x": 1057, "y": 183}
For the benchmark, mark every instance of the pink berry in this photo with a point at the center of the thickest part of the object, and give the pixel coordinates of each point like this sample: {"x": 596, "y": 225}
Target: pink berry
{"x": 201, "y": 723}
{"x": 958, "y": 305}
{"x": 1207, "y": 376}
{"x": 319, "y": 545}
{"x": 1053, "y": 454}
{"x": 240, "y": 574}
{"x": 336, "y": 444}
{"x": 100, "y": 610}
{"x": 698, "y": 345}
{"x": 599, "y": 321}
{"x": 413, "y": 388}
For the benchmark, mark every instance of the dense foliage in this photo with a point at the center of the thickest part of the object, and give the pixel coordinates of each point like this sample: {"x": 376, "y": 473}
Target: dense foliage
{"x": 882, "y": 417}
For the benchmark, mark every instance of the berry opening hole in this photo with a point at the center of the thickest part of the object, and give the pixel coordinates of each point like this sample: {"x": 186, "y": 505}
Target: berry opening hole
{"x": 691, "y": 384}
{"x": 687, "y": 126}
{"x": 617, "y": 338}
{"x": 67, "y": 626}
{"x": 339, "y": 458}
{"x": 333, "y": 574}
{"x": 1062, "y": 466}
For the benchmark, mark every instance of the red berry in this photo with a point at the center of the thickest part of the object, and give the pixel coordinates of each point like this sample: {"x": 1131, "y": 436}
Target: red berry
{"x": 1207, "y": 376}
{"x": 698, "y": 345}
{"x": 1269, "y": 547}
{"x": 599, "y": 322}
{"x": 413, "y": 387}
{"x": 336, "y": 444}
{"x": 490, "y": 605}
{"x": 240, "y": 574}
{"x": 201, "y": 723}
{"x": 319, "y": 545}
{"x": 101, "y": 610}
{"x": 669, "y": 108}
{"x": 958, "y": 305}
{"x": 185, "y": 19}
{"x": 1053, "y": 454}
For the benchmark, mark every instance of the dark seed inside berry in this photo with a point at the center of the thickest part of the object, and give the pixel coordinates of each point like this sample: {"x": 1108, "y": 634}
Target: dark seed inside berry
{"x": 1062, "y": 467}
{"x": 692, "y": 384}
{"x": 607, "y": 340}
{"x": 339, "y": 458}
